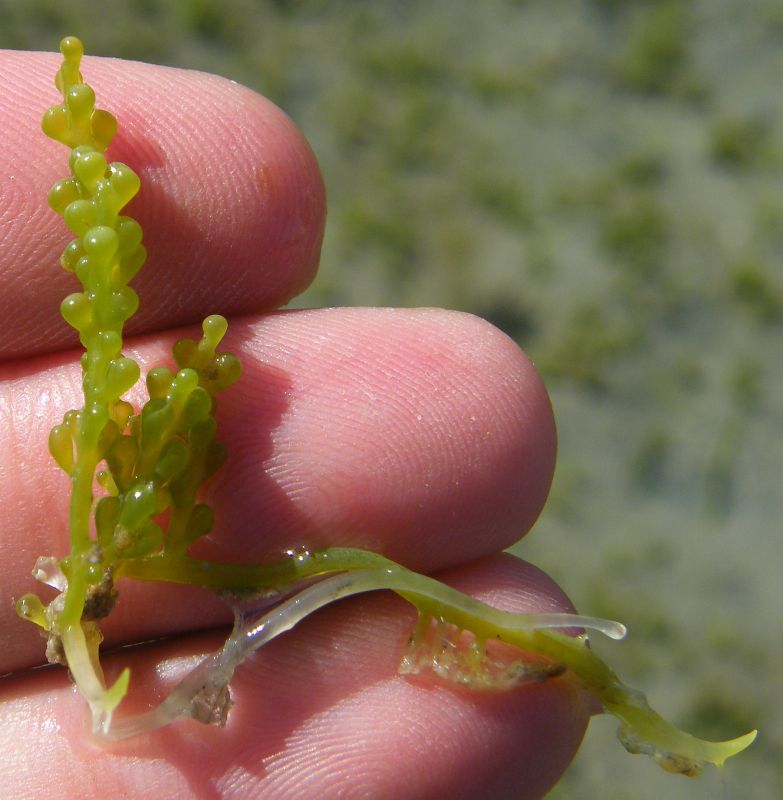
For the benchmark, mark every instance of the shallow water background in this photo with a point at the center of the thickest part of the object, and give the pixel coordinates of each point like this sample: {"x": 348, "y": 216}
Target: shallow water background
{"x": 604, "y": 181}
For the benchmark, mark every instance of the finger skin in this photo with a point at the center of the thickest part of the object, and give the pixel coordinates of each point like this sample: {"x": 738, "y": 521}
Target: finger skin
{"x": 423, "y": 434}
{"x": 320, "y": 713}
{"x": 418, "y": 433}
{"x": 232, "y": 202}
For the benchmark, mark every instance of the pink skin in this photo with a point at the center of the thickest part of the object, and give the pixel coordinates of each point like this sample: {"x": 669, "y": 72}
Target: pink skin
{"x": 424, "y": 434}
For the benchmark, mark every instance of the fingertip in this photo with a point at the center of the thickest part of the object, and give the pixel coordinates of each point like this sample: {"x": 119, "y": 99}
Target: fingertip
{"x": 232, "y": 201}
{"x": 424, "y": 433}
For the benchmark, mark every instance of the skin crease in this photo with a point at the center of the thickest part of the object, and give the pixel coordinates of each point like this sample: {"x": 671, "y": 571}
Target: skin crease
{"x": 424, "y": 434}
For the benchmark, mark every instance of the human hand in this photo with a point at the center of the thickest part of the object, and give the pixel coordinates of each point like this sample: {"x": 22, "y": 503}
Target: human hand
{"x": 422, "y": 434}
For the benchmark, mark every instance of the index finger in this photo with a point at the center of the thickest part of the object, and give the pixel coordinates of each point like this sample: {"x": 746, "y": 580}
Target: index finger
{"x": 232, "y": 202}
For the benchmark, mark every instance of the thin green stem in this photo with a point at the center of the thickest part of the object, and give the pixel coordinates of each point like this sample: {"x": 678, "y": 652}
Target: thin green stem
{"x": 223, "y": 576}
{"x": 81, "y": 503}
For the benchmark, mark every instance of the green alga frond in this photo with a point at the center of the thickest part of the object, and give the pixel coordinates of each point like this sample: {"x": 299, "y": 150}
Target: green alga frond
{"x": 151, "y": 464}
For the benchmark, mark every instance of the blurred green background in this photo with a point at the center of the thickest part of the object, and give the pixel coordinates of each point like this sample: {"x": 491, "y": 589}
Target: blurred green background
{"x": 604, "y": 181}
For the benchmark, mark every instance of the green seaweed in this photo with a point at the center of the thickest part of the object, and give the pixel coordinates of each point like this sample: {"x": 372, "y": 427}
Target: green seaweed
{"x": 151, "y": 463}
